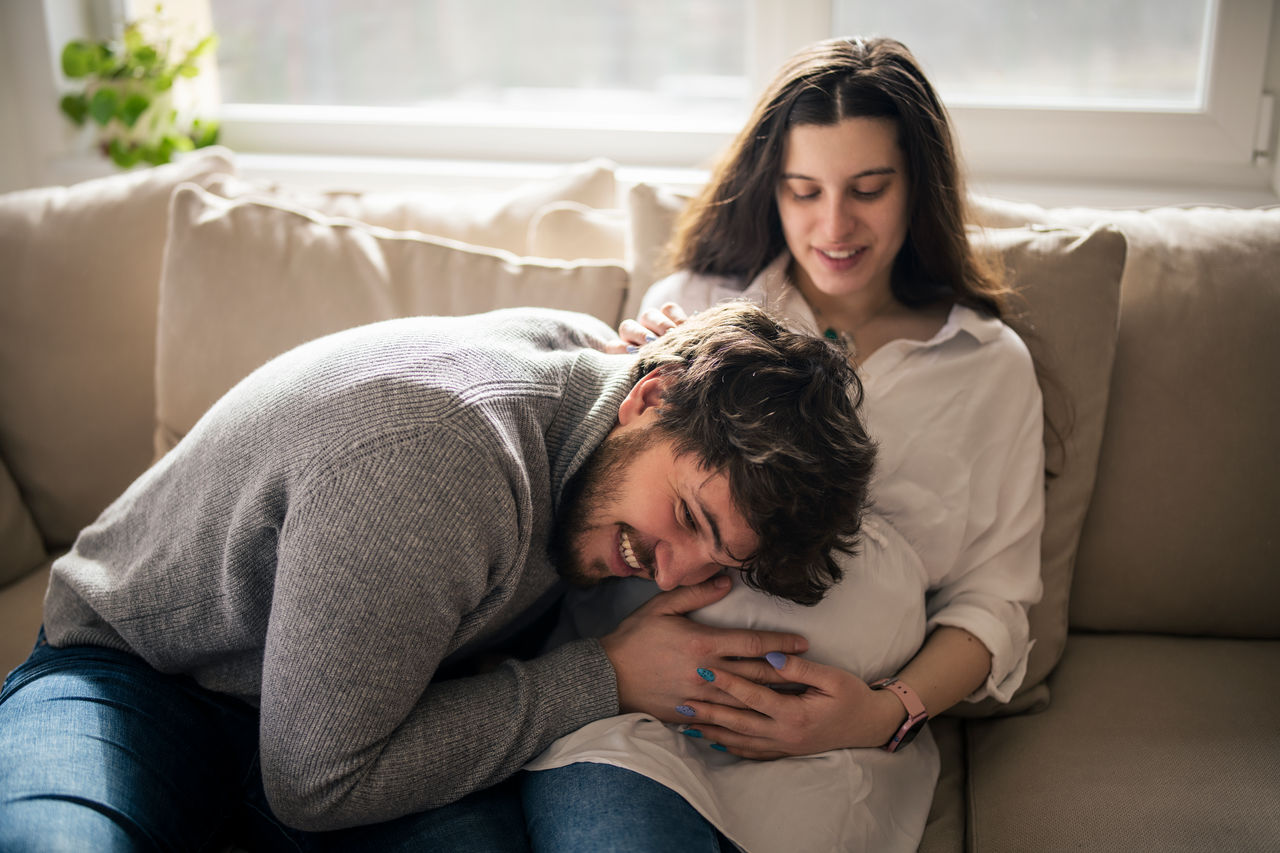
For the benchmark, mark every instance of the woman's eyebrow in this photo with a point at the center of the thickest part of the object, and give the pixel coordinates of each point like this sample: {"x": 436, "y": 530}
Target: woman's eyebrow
{"x": 881, "y": 170}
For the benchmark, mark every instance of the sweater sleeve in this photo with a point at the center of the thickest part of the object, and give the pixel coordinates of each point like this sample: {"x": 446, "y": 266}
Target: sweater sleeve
{"x": 383, "y": 568}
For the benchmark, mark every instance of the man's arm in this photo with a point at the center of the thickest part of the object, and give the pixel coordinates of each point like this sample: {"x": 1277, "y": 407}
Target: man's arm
{"x": 380, "y": 576}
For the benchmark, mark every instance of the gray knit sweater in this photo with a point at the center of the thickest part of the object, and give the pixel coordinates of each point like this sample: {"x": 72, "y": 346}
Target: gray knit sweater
{"x": 339, "y": 523}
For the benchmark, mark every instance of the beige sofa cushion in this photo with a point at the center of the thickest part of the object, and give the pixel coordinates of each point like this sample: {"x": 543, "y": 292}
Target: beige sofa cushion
{"x": 1179, "y": 539}
{"x": 21, "y": 549}
{"x": 1152, "y": 743}
{"x": 21, "y": 611}
{"x": 247, "y": 279}
{"x": 77, "y": 336}
{"x": 652, "y": 212}
{"x": 1069, "y": 280}
{"x": 497, "y": 219}
{"x": 568, "y": 229}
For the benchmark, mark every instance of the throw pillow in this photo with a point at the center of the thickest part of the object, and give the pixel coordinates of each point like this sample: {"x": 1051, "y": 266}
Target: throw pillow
{"x": 496, "y": 219}
{"x": 247, "y": 279}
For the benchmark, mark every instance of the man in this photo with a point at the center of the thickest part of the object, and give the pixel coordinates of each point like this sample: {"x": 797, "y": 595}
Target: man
{"x": 290, "y": 601}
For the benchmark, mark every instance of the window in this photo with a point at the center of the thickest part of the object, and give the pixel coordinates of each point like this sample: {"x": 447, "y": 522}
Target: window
{"x": 636, "y": 56}
{"x": 1132, "y": 91}
{"x": 1083, "y": 54}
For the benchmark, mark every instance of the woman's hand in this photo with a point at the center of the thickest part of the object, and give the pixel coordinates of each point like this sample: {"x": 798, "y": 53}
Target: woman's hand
{"x": 836, "y": 710}
{"x": 650, "y": 324}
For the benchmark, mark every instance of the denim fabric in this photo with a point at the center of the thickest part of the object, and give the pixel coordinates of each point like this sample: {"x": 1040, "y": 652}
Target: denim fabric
{"x": 599, "y": 808}
{"x": 98, "y": 751}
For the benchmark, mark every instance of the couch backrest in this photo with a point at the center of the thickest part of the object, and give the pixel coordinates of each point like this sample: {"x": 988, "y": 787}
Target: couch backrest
{"x": 1181, "y": 533}
{"x": 77, "y": 336}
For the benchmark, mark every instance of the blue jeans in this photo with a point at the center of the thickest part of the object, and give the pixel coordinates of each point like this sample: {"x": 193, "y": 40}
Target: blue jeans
{"x": 599, "y": 808}
{"x": 98, "y": 751}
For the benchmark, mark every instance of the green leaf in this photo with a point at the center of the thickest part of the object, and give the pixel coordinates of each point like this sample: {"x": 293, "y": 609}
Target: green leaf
{"x": 133, "y": 107}
{"x": 103, "y": 105}
{"x": 204, "y": 132}
{"x": 124, "y": 156}
{"x": 157, "y": 155}
{"x": 79, "y": 59}
{"x": 203, "y": 46}
{"x": 144, "y": 56}
{"x": 75, "y": 107}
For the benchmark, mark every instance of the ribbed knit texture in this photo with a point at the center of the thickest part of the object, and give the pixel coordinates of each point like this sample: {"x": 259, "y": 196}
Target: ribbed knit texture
{"x": 345, "y": 518}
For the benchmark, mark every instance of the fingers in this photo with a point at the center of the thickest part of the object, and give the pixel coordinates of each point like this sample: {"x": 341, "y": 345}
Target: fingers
{"x": 762, "y": 700}
{"x": 797, "y": 670}
{"x": 633, "y": 334}
{"x": 654, "y": 322}
{"x": 744, "y": 643}
{"x": 685, "y": 598}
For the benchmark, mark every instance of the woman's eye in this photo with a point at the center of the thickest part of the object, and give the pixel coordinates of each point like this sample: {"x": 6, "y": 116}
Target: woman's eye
{"x": 804, "y": 196}
{"x": 686, "y": 516}
{"x": 867, "y": 195}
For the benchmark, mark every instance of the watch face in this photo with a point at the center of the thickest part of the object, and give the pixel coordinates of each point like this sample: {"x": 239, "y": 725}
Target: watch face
{"x": 910, "y": 734}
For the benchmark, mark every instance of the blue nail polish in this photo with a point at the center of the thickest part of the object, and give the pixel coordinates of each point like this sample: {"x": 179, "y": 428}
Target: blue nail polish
{"x": 691, "y": 733}
{"x": 720, "y": 747}
{"x": 777, "y": 660}
{"x": 707, "y": 675}
{"x": 684, "y": 709}
{"x": 650, "y": 337}
{"x": 632, "y": 349}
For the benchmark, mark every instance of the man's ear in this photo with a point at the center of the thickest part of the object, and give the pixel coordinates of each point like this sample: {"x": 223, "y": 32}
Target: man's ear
{"x": 645, "y": 396}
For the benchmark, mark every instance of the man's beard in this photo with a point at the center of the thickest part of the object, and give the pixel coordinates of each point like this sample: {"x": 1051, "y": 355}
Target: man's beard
{"x": 588, "y": 496}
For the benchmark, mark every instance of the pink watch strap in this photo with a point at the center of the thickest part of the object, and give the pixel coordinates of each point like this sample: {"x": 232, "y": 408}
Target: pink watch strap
{"x": 916, "y": 713}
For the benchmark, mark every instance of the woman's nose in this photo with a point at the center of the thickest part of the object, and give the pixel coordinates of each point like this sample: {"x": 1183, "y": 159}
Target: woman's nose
{"x": 837, "y": 219}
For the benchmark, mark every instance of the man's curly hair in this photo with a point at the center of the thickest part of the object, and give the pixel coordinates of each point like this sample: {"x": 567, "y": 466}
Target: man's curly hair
{"x": 778, "y": 412}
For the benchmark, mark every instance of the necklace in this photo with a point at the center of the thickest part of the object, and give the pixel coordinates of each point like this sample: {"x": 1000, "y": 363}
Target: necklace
{"x": 833, "y": 334}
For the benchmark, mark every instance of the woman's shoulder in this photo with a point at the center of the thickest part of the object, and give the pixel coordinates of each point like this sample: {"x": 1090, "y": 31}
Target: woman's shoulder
{"x": 692, "y": 291}
{"x": 997, "y": 358}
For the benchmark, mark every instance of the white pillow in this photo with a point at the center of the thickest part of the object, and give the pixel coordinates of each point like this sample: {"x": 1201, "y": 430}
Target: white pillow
{"x": 496, "y": 219}
{"x": 244, "y": 280}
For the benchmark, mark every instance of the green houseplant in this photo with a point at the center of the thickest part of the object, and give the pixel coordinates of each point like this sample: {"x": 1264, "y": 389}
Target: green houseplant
{"x": 128, "y": 93}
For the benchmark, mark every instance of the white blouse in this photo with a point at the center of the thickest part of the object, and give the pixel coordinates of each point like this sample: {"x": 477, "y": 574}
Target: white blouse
{"x": 952, "y": 538}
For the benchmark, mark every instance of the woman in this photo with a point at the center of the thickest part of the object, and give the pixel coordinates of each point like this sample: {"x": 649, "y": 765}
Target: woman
{"x": 840, "y": 205}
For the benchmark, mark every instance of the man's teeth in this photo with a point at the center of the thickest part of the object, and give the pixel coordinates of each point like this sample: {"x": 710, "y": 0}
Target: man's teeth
{"x": 628, "y": 554}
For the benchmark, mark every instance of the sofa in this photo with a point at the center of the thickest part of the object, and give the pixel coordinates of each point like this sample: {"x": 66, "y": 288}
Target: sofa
{"x": 1150, "y": 714}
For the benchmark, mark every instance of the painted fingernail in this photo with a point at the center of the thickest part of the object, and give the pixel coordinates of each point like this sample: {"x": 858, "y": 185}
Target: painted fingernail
{"x": 720, "y": 747}
{"x": 707, "y": 675}
{"x": 684, "y": 709}
{"x": 691, "y": 733}
{"x": 650, "y": 337}
{"x": 632, "y": 348}
{"x": 777, "y": 660}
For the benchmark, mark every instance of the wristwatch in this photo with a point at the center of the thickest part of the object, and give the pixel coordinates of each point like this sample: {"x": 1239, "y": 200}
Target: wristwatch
{"x": 917, "y": 716}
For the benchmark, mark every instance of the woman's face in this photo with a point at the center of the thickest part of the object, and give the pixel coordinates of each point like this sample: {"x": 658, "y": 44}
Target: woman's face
{"x": 843, "y": 198}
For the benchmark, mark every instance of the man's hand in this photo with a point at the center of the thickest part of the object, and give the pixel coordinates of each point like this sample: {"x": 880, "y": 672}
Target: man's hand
{"x": 837, "y": 710}
{"x": 657, "y": 652}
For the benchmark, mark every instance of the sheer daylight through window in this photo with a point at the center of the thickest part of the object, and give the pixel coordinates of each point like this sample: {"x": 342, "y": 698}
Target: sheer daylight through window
{"x": 1075, "y": 53}
{"x": 675, "y": 57}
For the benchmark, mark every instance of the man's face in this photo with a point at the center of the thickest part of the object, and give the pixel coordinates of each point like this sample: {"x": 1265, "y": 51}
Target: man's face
{"x": 638, "y": 510}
